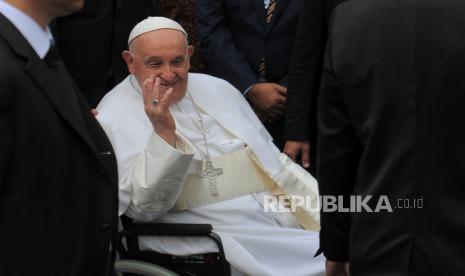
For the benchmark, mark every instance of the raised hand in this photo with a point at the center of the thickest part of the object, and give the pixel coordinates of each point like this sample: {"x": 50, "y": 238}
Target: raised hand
{"x": 156, "y": 105}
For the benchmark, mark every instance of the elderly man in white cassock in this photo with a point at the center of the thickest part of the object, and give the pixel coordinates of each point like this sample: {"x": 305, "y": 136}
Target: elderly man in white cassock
{"x": 191, "y": 150}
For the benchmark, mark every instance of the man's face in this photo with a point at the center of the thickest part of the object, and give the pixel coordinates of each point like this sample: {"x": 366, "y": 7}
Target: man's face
{"x": 164, "y": 54}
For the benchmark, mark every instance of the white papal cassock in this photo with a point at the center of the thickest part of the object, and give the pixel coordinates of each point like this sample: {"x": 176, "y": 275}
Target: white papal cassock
{"x": 152, "y": 174}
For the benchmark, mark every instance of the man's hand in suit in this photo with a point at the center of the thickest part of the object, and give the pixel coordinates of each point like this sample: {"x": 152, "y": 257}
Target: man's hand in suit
{"x": 294, "y": 148}
{"x": 268, "y": 100}
{"x": 337, "y": 268}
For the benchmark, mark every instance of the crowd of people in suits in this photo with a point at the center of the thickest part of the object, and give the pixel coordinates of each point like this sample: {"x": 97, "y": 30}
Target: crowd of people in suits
{"x": 365, "y": 94}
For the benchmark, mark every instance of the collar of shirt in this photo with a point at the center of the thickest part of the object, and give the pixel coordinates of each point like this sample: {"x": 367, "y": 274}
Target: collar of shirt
{"x": 38, "y": 38}
{"x": 266, "y": 3}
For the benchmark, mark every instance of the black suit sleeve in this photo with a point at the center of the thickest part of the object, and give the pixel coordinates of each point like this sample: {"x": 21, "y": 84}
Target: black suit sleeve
{"x": 339, "y": 151}
{"x": 305, "y": 71}
{"x": 218, "y": 47}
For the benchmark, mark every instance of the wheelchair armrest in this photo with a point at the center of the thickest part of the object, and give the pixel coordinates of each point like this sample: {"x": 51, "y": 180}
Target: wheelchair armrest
{"x": 131, "y": 231}
{"x": 167, "y": 229}
{"x": 142, "y": 268}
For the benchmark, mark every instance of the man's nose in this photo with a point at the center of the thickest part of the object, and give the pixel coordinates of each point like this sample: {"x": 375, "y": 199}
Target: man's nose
{"x": 167, "y": 74}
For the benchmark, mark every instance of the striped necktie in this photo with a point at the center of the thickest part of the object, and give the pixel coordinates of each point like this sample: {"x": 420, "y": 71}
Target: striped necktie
{"x": 270, "y": 10}
{"x": 261, "y": 70}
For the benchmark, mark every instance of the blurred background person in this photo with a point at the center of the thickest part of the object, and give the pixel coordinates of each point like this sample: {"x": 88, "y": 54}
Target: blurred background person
{"x": 91, "y": 41}
{"x": 183, "y": 11}
{"x": 300, "y": 128}
{"x": 249, "y": 43}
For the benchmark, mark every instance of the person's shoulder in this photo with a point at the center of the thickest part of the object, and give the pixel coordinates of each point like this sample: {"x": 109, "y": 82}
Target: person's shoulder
{"x": 217, "y": 91}
{"x": 121, "y": 90}
{"x": 199, "y": 77}
{"x": 209, "y": 81}
{"x": 117, "y": 100}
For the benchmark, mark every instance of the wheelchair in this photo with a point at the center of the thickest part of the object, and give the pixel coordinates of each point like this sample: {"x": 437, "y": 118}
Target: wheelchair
{"x": 134, "y": 261}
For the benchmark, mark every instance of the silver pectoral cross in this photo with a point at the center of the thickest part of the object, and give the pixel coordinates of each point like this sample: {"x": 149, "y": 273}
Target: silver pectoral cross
{"x": 209, "y": 171}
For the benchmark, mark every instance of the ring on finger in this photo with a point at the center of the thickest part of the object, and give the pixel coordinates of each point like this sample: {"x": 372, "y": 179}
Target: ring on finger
{"x": 155, "y": 101}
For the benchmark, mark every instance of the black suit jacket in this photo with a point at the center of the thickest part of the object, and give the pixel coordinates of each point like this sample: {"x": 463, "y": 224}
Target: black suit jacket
{"x": 305, "y": 69}
{"x": 58, "y": 179}
{"x": 391, "y": 115}
{"x": 234, "y": 37}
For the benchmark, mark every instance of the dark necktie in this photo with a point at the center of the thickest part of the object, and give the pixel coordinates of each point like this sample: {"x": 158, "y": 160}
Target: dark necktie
{"x": 52, "y": 58}
{"x": 261, "y": 70}
{"x": 53, "y": 61}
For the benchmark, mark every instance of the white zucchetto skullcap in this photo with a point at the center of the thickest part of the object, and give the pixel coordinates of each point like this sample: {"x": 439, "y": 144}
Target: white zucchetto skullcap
{"x": 154, "y": 23}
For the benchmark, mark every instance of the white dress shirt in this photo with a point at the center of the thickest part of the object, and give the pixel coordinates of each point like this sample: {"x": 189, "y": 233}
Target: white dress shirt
{"x": 38, "y": 38}
{"x": 266, "y": 3}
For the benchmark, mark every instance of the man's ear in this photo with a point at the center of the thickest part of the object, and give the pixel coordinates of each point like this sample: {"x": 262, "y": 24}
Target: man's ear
{"x": 129, "y": 59}
{"x": 190, "y": 51}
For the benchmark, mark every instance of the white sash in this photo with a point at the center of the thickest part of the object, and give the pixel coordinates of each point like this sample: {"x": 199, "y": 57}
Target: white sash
{"x": 242, "y": 175}
{"x": 239, "y": 178}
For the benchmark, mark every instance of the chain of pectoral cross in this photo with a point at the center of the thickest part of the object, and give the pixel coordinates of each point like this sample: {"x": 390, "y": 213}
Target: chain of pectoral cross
{"x": 208, "y": 171}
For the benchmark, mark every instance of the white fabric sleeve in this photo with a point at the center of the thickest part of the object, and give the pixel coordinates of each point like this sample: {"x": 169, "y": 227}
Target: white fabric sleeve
{"x": 157, "y": 177}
